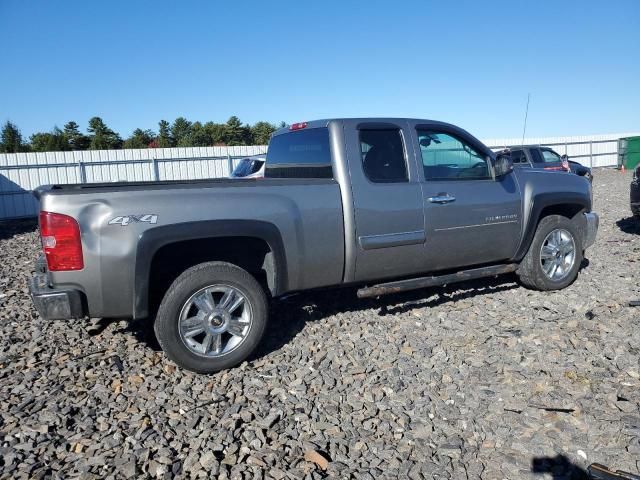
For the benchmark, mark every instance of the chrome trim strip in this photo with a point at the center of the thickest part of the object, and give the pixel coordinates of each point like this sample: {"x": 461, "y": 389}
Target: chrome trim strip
{"x": 478, "y": 225}
{"x": 371, "y": 242}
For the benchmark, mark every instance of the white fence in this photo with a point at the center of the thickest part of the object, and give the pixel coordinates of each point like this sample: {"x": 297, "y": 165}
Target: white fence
{"x": 20, "y": 173}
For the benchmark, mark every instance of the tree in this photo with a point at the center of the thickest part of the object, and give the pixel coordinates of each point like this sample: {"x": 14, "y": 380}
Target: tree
{"x": 198, "y": 136}
{"x": 139, "y": 139}
{"x": 76, "y": 139}
{"x": 180, "y": 131}
{"x": 101, "y": 136}
{"x": 164, "y": 139}
{"x": 54, "y": 141}
{"x": 261, "y": 133}
{"x": 215, "y": 132}
{"x": 235, "y": 133}
{"x": 11, "y": 139}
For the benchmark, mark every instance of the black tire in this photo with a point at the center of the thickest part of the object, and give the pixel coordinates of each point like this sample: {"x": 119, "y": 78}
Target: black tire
{"x": 181, "y": 290}
{"x": 530, "y": 271}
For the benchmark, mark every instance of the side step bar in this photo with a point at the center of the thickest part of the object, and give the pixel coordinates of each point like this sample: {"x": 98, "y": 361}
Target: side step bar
{"x": 434, "y": 281}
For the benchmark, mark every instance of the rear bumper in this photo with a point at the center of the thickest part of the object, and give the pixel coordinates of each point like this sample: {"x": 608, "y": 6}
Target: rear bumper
{"x": 55, "y": 304}
{"x": 591, "y": 230}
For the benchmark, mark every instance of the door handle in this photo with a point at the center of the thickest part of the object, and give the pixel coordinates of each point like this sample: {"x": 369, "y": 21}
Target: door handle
{"x": 442, "y": 198}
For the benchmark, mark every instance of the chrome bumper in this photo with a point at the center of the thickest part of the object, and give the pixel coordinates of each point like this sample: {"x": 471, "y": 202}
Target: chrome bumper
{"x": 591, "y": 229}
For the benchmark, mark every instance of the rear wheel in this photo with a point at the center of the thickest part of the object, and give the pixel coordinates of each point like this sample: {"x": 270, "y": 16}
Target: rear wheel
{"x": 554, "y": 256}
{"x": 212, "y": 317}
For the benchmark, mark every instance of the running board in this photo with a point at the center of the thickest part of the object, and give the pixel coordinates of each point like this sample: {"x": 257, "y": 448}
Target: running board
{"x": 434, "y": 281}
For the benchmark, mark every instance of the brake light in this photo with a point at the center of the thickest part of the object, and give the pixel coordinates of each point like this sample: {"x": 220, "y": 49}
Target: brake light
{"x": 298, "y": 126}
{"x": 61, "y": 242}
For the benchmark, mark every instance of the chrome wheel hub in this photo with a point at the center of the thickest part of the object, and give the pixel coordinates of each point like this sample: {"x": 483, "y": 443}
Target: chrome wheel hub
{"x": 215, "y": 320}
{"x": 558, "y": 254}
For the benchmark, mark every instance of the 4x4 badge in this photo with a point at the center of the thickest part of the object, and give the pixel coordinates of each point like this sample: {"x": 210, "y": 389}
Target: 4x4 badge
{"x": 127, "y": 219}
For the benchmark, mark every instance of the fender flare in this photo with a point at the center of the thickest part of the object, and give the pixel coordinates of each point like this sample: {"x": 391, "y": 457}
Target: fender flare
{"x": 152, "y": 240}
{"x": 538, "y": 204}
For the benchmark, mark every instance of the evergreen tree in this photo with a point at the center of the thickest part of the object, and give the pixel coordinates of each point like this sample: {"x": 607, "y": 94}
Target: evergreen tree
{"x": 180, "y": 131}
{"x": 11, "y": 139}
{"x": 261, "y": 133}
{"x": 235, "y": 133}
{"x": 164, "y": 139}
{"x": 54, "y": 141}
{"x": 77, "y": 140}
{"x": 101, "y": 136}
{"x": 215, "y": 132}
{"x": 139, "y": 139}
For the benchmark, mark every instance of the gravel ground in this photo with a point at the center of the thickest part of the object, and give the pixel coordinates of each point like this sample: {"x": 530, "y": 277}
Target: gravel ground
{"x": 478, "y": 380}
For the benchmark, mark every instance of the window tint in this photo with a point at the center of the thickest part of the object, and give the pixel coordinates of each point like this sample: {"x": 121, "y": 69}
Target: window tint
{"x": 446, "y": 157}
{"x": 383, "y": 158}
{"x": 300, "y": 154}
{"x": 550, "y": 157}
{"x": 518, "y": 156}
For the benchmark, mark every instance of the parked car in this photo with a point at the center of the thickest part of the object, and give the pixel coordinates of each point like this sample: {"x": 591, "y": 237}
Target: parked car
{"x": 533, "y": 156}
{"x": 386, "y": 204}
{"x": 250, "y": 167}
{"x": 635, "y": 193}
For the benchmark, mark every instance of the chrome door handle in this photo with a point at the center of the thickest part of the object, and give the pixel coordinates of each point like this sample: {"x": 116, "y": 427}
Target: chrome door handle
{"x": 442, "y": 198}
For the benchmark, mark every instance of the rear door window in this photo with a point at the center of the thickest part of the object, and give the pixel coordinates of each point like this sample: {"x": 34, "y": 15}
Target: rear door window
{"x": 383, "y": 157}
{"x": 300, "y": 154}
{"x": 519, "y": 156}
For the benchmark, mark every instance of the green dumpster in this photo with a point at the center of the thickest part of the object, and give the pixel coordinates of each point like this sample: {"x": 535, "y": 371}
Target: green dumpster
{"x": 629, "y": 152}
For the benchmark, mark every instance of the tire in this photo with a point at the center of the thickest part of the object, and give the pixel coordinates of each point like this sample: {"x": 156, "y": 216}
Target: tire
{"x": 531, "y": 272}
{"x": 197, "y": 300}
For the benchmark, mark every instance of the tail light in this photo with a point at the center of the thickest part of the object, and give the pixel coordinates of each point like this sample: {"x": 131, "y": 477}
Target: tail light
{"x": 61, "y": 242}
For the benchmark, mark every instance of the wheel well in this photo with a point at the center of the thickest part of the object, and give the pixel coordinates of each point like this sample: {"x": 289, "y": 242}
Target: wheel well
{"x": 251, "y": 254}
{"x": 569, "y": 210}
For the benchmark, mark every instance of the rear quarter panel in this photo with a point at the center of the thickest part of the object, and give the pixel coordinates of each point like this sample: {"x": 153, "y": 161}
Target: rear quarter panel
{"x": 307, "y": 214}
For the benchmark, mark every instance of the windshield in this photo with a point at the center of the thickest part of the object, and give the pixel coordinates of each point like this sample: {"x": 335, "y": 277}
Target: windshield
{"x": 247, "y": 166}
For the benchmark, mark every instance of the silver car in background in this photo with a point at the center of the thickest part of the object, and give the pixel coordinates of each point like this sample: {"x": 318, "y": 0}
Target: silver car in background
{"x": 250, "y": 167}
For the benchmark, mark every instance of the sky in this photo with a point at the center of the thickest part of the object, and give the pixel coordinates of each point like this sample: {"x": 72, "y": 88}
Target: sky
{"x": 471, "y": 63}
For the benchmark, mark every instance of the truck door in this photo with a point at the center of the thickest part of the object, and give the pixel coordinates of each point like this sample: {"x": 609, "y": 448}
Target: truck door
{"x": 387, "y": 200}
{"x": 470, "y": 217}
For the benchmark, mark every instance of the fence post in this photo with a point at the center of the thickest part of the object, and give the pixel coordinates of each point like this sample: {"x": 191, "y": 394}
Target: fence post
{"x": 156, "y": 170}
{"x": 82, "y": 173}
{"x": 590, "y": 153}
{"x": 566, "y": 148}
{"x": 230, "y": 162}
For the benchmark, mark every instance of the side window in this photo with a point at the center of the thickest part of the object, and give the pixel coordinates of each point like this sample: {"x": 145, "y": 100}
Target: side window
{"x": 445, "y": 157}
{"x": 383, "y": 158}
{"x": 300, "y": 154}
{"x": 536, "y": 155}
{"x": 518, "y": 156}
{"x": 550, "y": 157}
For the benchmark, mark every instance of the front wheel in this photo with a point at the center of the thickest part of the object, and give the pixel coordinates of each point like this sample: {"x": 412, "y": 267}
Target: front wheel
{"x": 554, "y": 256}
{"x": 212, "y": 317}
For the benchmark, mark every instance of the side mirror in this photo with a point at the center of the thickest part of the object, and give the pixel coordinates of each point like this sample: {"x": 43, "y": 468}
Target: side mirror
{"x": 503, "y": 164}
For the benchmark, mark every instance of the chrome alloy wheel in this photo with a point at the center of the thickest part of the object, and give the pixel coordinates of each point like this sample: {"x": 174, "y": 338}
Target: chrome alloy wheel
{"x": 215, "y": 320}
{"x": 558, "y": 254}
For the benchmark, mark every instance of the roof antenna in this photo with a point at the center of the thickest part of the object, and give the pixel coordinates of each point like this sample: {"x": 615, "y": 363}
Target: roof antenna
{"x": 526, "y": 113}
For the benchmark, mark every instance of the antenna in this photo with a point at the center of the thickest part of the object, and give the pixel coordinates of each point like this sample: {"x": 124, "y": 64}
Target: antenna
{"x": 526, "y": 113}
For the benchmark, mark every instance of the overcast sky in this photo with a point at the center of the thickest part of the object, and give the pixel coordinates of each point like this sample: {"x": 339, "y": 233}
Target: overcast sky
{"x": 471, "y": 63}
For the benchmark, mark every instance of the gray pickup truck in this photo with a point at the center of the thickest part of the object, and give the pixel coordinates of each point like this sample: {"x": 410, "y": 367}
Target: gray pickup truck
{"x": 385, "y": 204}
